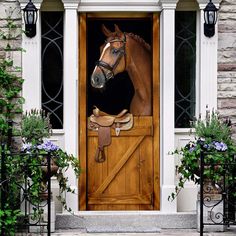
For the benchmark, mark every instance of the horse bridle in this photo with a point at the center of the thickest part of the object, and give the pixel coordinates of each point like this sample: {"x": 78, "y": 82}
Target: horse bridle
{"x": 104, "y": 65}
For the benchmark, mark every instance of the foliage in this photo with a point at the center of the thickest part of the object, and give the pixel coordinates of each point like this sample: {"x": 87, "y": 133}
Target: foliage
{"x": 36, "y": 153}
{"x": 35, "y": 126}
{"x": 10, "y": 105}
{"x": 10, "y": 191}
{"x": 8, "y": 218}
{"x": 10, "y": 100}
{"x": 212, "y": 128}
{"x": 213, "y": 138}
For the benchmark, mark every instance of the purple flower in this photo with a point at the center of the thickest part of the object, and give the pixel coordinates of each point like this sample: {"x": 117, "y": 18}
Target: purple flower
{"x": 26, "y": 147}
{"x": 48, "y": 146}
{"x": 192, "y": 146}
{"x": 220, "y": 146}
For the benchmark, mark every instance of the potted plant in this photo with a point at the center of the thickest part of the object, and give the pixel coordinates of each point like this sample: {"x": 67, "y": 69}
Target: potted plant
{"x": 36, "y": 161}
{"x": 212, "y": 136}
{"x": 35, "y": 126}
{"x": 36, "y": 149}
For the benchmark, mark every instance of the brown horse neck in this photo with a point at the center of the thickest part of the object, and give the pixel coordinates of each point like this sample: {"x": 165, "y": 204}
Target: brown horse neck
{"x": 139, "y": 67}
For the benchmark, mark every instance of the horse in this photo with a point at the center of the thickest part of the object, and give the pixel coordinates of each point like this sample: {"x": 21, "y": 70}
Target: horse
{"x": 126, "y": 52}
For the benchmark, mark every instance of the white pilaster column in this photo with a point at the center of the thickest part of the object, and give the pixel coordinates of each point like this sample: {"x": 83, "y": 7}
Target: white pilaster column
{"x": 207, "y": 63}
{"x": 31, "y": 63}
{"x": 167, "y": 103}
{"x": 70, "y": 93}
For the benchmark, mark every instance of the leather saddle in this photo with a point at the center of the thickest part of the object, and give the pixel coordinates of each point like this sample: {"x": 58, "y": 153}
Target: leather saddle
{"x": 103, "y": 123}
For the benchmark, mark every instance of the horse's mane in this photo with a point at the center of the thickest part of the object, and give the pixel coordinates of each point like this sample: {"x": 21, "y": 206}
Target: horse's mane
{"x": 140, "y": 40}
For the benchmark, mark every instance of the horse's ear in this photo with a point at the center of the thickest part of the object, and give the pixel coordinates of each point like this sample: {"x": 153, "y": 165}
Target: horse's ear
{"x": 117, "y": 29}
{"x": 106, "y": 31}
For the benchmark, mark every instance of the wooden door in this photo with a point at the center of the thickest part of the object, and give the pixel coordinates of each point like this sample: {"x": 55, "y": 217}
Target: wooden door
{"x": 129, "y": 177}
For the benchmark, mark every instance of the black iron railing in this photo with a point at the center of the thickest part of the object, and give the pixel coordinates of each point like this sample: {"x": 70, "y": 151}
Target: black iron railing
{"x": 31, "y": 199}
{"x": 218, "y": 200}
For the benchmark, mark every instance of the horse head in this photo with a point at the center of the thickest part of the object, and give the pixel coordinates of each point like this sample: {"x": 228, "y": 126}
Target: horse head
{"x": 112, "y": 58}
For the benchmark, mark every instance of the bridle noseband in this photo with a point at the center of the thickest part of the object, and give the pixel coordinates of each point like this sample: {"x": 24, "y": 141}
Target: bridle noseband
{"x": 104, "y": 65}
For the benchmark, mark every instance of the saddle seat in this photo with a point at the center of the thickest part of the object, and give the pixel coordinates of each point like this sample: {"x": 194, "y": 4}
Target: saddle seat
{"x": 102, "y": 122}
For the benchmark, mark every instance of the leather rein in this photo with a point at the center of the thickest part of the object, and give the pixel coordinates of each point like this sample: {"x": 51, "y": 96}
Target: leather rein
{"x": 104, "y": 65}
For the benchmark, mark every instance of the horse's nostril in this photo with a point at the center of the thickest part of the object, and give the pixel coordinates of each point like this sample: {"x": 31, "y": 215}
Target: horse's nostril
{"x": 97, "y": 79}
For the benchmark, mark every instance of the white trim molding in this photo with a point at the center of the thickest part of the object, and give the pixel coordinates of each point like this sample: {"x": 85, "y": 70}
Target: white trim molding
{"x": 169, "y": 4}
{"x": 71, "y": 4}
{"x": 167, "y": 103}
{"x": 70, "y": 78}
{"x": 119, "y": 5}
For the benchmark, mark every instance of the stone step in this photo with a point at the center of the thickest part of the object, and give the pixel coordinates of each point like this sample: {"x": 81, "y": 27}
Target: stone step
{"x": 125, "y": 221}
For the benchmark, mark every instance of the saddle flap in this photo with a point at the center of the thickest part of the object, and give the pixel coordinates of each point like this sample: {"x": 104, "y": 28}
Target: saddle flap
{"x": 104, "y": 121}
{"x": 104, "y": 137}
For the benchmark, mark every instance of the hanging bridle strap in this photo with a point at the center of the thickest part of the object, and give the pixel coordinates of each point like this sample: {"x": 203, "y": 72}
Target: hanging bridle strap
{"x": 104, "y": 65}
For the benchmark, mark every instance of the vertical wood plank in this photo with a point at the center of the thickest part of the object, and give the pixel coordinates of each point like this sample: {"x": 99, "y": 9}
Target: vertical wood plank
{"x": 132, "y": 176}
{"x": 82, "y": 112}
{"x": 156, "y": 109}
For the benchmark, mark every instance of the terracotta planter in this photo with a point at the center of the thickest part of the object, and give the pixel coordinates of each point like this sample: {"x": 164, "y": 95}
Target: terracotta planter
{"x": 54, "y": 168}
{"x": 44, "y": 167}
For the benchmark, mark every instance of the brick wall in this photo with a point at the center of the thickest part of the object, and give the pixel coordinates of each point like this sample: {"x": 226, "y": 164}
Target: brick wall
{"x": 10, "y": 8}
{"x": 227, "y": 59}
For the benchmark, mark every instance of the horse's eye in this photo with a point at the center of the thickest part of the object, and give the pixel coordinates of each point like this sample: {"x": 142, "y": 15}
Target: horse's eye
{"x": 114, "y": 51}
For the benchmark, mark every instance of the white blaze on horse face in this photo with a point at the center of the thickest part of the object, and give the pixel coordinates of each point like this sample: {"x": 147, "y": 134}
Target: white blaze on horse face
{"x": 104, "y": 49}
{"x": 103, "y": 52}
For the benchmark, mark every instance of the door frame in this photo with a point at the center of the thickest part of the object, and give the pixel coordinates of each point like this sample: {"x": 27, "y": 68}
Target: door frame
{"x": 82, "y": 91}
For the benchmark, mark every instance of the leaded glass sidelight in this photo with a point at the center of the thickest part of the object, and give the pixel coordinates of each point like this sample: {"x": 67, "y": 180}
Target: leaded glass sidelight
{"x": 52, "y": 66}
{"x": 185, "y": 68}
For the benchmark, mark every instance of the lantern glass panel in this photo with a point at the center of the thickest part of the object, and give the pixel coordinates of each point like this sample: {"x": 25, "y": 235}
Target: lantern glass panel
{"x": 211, "y": 17}
{"x": 30, "y": 17}
{"x": 205, "y": 17}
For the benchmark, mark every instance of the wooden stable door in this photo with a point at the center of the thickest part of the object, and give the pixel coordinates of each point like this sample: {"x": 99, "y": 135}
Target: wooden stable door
{"x": 124, "y": 181}
{"x": 129, "y": 177}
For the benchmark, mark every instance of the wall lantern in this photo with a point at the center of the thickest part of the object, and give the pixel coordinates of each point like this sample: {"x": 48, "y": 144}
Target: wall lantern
{"x": 210, "y": 16}
{"x": 30, "y": 18}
